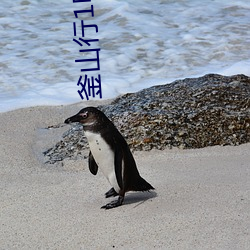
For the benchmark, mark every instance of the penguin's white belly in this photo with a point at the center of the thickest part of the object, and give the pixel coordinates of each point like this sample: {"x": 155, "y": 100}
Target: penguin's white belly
{"x": 104, "y": 157}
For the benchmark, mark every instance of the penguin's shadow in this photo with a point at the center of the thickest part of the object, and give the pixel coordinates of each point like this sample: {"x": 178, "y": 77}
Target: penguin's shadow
{"x": 137, "y": 198}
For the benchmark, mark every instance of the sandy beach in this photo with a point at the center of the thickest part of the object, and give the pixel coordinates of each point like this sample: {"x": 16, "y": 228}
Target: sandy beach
{"x": 201, "y": 198}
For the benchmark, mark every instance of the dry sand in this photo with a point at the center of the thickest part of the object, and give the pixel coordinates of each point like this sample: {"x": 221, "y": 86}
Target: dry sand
{"x": 201, "y": 201}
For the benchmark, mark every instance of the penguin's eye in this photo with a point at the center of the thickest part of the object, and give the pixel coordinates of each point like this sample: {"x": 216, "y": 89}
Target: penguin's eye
{"x": 84, "y": 115}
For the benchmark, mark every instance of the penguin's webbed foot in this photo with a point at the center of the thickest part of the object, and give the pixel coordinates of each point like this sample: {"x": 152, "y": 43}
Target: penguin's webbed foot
{"x": 111, "y": 193}
{"x": 113, "y": 204}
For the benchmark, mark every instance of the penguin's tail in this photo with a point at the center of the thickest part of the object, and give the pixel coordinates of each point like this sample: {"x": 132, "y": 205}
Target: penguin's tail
{"x": 141, "y": 185}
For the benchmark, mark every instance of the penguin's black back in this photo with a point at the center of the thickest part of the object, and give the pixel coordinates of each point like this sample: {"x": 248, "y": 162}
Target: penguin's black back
{"x": 132, "y": 180}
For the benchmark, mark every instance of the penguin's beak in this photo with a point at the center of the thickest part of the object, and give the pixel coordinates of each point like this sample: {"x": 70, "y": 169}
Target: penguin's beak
{"x": 74, "y": 118}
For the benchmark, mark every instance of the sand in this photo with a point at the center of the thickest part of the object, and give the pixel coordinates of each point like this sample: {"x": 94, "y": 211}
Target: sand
{"x": 201, "y": 200}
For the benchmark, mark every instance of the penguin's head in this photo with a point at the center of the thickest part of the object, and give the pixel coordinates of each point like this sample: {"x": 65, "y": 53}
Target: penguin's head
{"x": 88, "y": 117}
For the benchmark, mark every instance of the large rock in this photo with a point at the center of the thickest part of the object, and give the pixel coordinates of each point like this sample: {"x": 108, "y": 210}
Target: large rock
{"x": 190, "y": 113}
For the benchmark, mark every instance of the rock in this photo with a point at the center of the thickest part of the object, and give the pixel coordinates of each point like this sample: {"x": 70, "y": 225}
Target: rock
{"x": 190, "y": 113}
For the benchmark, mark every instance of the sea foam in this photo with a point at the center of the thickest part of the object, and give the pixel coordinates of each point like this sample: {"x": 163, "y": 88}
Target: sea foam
{"x": 142, "y": 43}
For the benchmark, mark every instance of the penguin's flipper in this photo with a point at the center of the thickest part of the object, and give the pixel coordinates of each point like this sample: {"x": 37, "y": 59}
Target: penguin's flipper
{"x": 93, "y": 167}
{"x": 118, "y": 166}
{"x": 111, "y": 193}
{"x": 115, "y": 203}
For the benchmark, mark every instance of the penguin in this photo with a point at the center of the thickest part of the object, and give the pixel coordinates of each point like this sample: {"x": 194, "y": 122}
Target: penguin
{"x": 110, "y": 152}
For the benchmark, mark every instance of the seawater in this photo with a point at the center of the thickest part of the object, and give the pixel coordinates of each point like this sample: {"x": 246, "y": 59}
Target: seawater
{"x": 143, "y": 43}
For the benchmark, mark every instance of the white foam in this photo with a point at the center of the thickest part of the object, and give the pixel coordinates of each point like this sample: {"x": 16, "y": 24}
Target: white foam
{"x": 242, "y": 67}
{"x": 141, "y": 46}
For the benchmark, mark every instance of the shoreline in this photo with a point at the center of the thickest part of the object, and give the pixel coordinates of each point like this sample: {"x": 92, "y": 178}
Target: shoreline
{"x": 201, "y": 198}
